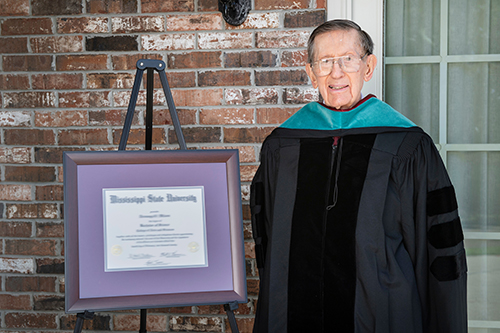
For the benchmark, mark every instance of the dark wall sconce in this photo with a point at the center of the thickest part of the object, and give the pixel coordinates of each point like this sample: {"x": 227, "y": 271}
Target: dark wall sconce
{"x": 234, "y": 11}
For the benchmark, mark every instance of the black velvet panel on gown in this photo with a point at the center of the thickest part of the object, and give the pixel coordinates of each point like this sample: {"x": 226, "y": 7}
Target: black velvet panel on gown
{"x": 322, "y": 268}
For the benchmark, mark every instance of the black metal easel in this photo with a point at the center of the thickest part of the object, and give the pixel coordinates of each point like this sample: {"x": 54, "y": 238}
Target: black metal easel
{"x": 159, "y": 66}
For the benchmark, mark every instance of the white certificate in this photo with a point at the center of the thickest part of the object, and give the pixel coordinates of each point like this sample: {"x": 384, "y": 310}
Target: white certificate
{"x": 154, "y": 228}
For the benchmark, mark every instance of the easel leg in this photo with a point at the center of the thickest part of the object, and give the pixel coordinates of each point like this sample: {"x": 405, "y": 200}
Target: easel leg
{"x": 149, "y": 108}
{"x": 144, "y": 319}
{"x": 230, "y": 316}
{"x": 80, "y": 318}
{"x": 131, "y": 109}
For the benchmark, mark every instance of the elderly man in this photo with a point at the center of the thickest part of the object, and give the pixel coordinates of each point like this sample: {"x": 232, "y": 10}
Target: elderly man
{"x": 354, "y": 216}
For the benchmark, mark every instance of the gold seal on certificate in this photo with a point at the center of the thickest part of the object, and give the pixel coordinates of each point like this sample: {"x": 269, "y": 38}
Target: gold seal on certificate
{"x": 116, "y": 250}
{"x": 154, "y": 228}
{"x": 193, "y": 246}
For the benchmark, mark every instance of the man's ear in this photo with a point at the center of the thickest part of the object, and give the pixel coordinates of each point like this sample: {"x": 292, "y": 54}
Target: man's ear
{"x": 371, "y": 63}
{"x": 311, "y": 75}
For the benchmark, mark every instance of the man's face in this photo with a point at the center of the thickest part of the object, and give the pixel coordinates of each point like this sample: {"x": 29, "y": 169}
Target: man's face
{"x": 339, "y": 89}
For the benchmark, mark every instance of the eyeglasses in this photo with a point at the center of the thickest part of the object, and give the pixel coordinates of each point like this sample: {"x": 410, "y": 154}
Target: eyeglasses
{"x": 348, "y": 63}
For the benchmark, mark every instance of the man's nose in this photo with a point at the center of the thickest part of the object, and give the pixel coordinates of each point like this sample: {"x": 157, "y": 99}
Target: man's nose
{"x": 337, "y": 70}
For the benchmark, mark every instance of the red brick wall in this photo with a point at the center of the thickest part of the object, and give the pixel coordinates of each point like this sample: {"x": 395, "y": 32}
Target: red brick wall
{"x": 68, "y": 67}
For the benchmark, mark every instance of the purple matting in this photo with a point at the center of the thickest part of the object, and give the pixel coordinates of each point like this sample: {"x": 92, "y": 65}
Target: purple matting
{"x": 96, "y": 283}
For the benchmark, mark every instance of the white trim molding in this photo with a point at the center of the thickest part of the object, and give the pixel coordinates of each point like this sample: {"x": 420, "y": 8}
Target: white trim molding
{"x": 339, "y": 9}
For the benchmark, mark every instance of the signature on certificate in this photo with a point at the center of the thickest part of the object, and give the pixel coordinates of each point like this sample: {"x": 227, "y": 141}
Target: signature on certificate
{"x": 171, "y": 254}
{"x": 156, "y": 263}
{"x": 140, "y": 256}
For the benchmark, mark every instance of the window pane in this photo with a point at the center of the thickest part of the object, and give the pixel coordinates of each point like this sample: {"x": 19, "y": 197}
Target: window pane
{"x": 473, "y": 103}
{"x": 413, "y": 90}
{"x": 477, "y": 185}
{"x": 412, "y": 28}
{"x": 474, "y": 27}
{"x": 494, "y": 99}
{"x": 483, "y": 292}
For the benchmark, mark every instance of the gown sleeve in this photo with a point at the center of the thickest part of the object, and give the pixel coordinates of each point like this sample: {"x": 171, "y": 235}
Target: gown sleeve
{"x": 433, "y": 235}
{"x": 261, "y": 198}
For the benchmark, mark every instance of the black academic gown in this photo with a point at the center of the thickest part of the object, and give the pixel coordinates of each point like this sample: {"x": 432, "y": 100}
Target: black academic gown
{"x": 356, "y": 227}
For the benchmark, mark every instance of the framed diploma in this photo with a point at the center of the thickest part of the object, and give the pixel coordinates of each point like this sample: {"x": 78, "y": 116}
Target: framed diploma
{"x": 149, "y": 229}
{"x": 153, "y": 228}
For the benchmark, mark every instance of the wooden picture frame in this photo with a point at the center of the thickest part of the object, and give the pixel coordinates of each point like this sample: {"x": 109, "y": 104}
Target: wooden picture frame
{"x": 89, "y": 287}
